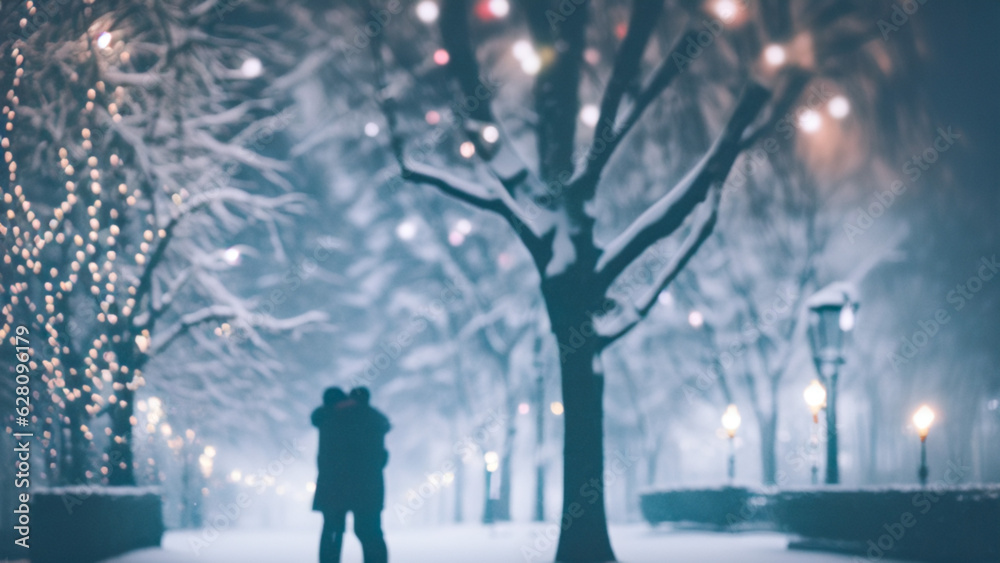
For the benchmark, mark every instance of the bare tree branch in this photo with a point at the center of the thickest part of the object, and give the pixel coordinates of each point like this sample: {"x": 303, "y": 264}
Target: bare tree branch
{"x": 668, "y": 214}
{"x": 609, "y": 134}
{"x": 795, "y": 83}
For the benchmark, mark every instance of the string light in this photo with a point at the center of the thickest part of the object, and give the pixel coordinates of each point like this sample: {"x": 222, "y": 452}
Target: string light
{"x": 427, "y": 11}
{"x": 838, "y": 107}
{"x": 775, "y": 55}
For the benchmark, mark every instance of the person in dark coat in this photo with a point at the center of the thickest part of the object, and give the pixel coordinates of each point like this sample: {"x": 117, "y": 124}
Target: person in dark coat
{"x": 351, "y": 458}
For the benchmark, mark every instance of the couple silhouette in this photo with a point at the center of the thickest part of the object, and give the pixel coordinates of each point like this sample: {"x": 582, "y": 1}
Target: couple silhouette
{"x": 351, "y": 458}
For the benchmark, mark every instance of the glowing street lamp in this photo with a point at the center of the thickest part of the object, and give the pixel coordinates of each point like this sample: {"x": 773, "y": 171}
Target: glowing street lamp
{"x": 815, "y": 396}
{"x": 731, "y": 422}
{"x": 923, "y": 419}
{"x": 831, "y": 321}
{"x": 492, "y": 460}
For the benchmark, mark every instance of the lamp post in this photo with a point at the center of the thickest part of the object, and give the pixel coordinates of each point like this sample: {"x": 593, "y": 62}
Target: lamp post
{"x": 815, "y": 396}
{"x": 492, "y": 460}
{"x": 831, "y": 320}
{"x": 731, "y": 421}
{"x": 539, "y": 432}
{"x": 539, "y": 439}
{"x": 922, "y": 419}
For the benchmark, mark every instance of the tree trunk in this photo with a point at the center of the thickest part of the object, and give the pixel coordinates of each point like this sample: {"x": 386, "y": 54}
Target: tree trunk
{"x": 768, "y": 443}
{"x": 584, "y": 528}
{"x": 459, "y": 488}
{"x": 652, "y": 456}
{"x": 77, "y": 470}
{"x": 121, "y": 470}
{"x": 501, "y": 509}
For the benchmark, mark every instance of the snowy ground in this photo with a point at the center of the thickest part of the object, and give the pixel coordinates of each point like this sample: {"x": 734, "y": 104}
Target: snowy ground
{"x": 499, "y": 544}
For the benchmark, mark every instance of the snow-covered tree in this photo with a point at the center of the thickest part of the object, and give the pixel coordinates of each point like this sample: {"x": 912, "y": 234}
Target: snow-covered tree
{"x": 756, "y": 59}
{"x": 139, "y": 143}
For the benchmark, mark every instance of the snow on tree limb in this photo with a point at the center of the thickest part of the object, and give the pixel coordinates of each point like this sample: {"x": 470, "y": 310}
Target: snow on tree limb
{"x": 502, "y": 203}
{"x": 700, "y": 231}
{"x": 223, "y": 313}
{"x": 668, "y": 214}
{"x": 502, "y": 158}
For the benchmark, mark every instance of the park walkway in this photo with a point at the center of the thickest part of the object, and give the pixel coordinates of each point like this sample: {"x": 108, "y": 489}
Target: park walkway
{"x": 499, "y": 544}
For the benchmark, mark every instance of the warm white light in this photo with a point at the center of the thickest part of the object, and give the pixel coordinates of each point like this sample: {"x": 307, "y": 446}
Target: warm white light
{"x": 522, "y": 49}
{"x": 531, "y": 64}
{"x": 235, "y": 475}
{"x": 922, "y": 419}
{"x": 406, "y": 230}
{"x": 725, "y": 9}
{"x": 775, "y": 55}
{"x": 467, "y": 149}
{"x": 427, "y": 12}
{"x": 589, "y": 114}
{"x": 731, "y": 420}
{"x": 142, "y": 343}
{"x": 231, "y": 256}
{"x": 523, "y": 408}
{"x": 463, "y": 226}
{"x": 491, "y": 134}
{"x": 696, "y": 319}
{"x": 847, "y": 318}
{"x": 810, "y": 121}
{"x": 166, "y": 430}
{"x": 251, "y": 68}
{"x": 371, "y": 129}
{"x": 210, "y": 451}
{"x": 103, "y": 40}
{"x": 492, "y": 460}
{"x": 499, "y": 8}
{"x": 448, "y": 478}
{"x": 206, "y": 464}
{"x": 838, "y": 107}
{"x": 815, "y": 396}
{"x": 557, "y": 408}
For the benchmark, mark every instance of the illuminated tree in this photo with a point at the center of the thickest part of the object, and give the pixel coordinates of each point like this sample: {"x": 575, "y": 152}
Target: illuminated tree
{"x": 138, "y": 142}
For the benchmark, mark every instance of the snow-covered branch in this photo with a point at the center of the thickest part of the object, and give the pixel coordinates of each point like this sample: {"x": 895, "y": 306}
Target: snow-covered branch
{"x": 668, "y": 214}
{"x": 224, "y": 313}
{"x": 503, "y": 160}
{"x": 702, "y": 228}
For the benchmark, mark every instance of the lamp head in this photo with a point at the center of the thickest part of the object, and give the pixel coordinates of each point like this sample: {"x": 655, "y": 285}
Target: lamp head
{"x": 815, "y": 395}
{"x": 731, "y": 420}
{"x": 492, "y": 460}
{"x": 923, "y": 419}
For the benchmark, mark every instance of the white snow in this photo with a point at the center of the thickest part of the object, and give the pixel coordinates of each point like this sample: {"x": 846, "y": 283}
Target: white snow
{"x": 837, "y": 293}
{"x": 635, "y": 543}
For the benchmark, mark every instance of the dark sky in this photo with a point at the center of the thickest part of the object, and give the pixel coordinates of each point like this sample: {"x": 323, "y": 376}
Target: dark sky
{"x": 956, "y": 221}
